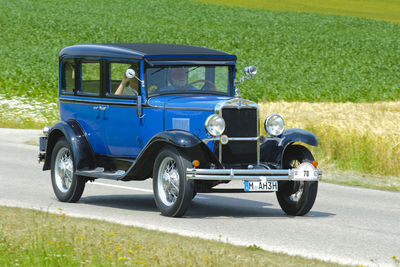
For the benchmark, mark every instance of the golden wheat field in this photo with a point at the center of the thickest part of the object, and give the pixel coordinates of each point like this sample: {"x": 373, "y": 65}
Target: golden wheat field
{"x": 356, "y": 136}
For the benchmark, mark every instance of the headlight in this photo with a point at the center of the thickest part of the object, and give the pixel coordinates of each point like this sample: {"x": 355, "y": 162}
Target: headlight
{"x": 215, "y": 125}
{"x": 46, "y": 130}
{"x": 274, "y": 125}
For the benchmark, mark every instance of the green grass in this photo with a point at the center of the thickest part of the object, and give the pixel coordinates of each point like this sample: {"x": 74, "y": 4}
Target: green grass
{"x": 300, "y": 56}
{"x": 33, "y": 238}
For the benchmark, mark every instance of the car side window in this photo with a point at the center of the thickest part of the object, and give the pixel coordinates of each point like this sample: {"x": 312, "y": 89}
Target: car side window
{"x": 68, "y": 77}
{"x": 120, "y": 84}
{"x": 90, "y": 78}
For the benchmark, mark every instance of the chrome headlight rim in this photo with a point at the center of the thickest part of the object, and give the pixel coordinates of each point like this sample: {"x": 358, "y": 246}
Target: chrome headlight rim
{"x": 215, "y": 125}
{"x": 270, "y": 125}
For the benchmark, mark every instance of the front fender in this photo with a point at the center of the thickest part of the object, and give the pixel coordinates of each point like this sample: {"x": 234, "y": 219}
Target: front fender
{"x": 81, "y": 149}
{"x": 273, "y": 150}
{"x": 184, "y": 141}
{"x": 290, "y": 136}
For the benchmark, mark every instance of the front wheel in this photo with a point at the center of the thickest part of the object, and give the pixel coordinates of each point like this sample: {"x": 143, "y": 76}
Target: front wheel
{"x": 67, "y": 186}
{"x": 173, "y": 193}
{"x": 296, "y": 198}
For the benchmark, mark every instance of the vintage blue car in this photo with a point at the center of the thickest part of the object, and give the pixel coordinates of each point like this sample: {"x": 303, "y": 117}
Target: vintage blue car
{"x": 173, "y": 113}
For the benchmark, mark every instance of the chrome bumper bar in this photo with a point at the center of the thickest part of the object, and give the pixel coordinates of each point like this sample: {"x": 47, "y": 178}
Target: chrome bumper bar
{"x": 247, "y": 174}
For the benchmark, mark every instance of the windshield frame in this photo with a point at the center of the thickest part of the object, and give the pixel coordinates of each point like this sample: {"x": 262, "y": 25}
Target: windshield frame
{"x": 229, "y": 89}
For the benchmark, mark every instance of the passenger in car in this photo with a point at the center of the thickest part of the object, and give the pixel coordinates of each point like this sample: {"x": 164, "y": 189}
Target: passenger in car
{"x": 128, "y": 86}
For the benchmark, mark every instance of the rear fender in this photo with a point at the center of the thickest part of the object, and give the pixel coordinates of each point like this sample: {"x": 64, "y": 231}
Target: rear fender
{"x": 81, "y": 149}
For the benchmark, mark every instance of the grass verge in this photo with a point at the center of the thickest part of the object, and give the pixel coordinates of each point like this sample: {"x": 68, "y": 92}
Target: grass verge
{"x": 27, "y": 113}
{"x": 33, "y": 238}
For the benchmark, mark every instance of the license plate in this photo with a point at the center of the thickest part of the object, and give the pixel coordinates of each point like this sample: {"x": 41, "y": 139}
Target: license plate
{"x": 253, "y": 186}
{"x": 305, "y": 172}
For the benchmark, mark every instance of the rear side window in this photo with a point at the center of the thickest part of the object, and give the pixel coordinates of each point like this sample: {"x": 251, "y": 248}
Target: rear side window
{"x": 90, "y": 78}
{"x": 68, "y": 77}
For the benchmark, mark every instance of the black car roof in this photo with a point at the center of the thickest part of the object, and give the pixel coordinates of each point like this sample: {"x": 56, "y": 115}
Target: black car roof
{"x": 151, "y": 51}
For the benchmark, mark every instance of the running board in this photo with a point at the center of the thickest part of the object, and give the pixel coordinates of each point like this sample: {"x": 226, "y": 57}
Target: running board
{"x": 100, "y": 173}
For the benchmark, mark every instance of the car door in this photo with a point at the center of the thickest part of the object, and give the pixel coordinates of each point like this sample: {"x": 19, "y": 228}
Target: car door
{"x": 80, "y": 99}
{"x": 120, "y": 121}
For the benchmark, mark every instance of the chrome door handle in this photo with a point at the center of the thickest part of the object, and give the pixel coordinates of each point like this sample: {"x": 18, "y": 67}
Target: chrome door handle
{"x": 103, "y": 107}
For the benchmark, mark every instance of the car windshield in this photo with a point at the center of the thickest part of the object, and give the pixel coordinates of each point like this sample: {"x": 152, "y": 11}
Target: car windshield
{"x": 189, "y": 79}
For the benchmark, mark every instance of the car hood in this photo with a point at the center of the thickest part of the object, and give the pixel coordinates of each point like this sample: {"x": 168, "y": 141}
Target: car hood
{"x": 205, "y": 102}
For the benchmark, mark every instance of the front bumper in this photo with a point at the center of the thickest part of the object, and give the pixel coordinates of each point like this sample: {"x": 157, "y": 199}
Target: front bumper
{"x": 297, "y": 174}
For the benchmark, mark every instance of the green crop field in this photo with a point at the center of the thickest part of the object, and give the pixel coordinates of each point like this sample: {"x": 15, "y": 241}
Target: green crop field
{"x": 377, "y": 9}
{"x": 300, "y": 56}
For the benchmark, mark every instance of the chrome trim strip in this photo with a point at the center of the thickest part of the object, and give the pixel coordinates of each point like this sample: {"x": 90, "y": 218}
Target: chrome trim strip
{"x": 239, "y": 171}
{"x": 235, "y": 103}
{"x": 240, "y": 178}
{"x": 172, "y": 108}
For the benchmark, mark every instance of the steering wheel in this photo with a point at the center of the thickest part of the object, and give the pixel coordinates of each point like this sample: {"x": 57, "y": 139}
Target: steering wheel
{"x": 213, "y": 88}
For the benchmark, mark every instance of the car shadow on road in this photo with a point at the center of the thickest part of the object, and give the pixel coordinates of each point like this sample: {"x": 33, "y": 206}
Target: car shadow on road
{"x": 141, "y": 202}
{"x": 203, "y": 206}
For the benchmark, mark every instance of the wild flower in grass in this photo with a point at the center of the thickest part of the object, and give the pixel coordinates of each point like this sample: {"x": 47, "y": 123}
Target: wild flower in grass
{"x": 123, "y": 259}
{"x": 130, "y": 251}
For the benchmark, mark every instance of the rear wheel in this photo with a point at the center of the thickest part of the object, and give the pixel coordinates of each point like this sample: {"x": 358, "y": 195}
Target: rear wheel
{"x": 296, "y": 198}
{"x": 172, "y": 191}
{"x": 67, "y": 186}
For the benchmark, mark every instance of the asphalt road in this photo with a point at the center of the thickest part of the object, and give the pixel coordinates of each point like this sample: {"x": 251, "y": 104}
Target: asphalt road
{"x": 346, "y": 225}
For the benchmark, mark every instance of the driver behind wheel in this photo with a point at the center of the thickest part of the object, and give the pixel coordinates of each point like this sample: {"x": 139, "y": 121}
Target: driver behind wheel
{"x": 178, "y": 79}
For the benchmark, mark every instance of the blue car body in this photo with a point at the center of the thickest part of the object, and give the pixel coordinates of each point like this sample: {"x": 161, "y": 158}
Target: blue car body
{"x": 119, "y": 136}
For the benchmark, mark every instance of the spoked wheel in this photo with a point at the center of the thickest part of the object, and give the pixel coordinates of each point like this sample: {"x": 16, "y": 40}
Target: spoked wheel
{"x": 67, "y": 186}
{"x": 296, "y": 198}
{"x": 172, "y": 191}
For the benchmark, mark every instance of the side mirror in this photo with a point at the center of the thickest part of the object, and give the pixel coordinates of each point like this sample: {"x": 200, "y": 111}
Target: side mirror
{"x": 250, "y": 70}
{"x": 130, "y": 73}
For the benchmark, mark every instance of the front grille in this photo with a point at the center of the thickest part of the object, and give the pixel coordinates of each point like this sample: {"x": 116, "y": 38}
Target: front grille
{"x": 240, "y": 123}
